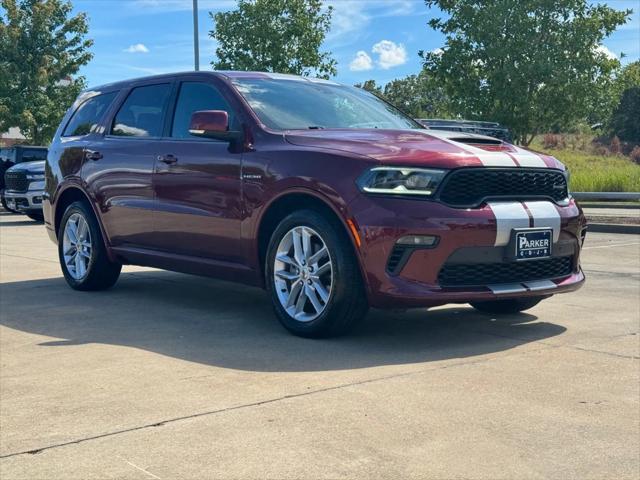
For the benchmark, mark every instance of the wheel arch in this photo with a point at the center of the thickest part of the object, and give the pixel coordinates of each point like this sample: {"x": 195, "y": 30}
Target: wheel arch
{"x": 71, "y": 194}
{"x": 301, "y": 199}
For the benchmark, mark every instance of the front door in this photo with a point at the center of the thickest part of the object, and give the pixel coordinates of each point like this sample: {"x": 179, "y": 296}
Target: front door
{"x": 197, "y": 183}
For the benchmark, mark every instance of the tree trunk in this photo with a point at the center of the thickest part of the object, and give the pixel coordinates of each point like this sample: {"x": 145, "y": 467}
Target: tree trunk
{"x": 527, "y": 141}
{"x": 36, "y": 136}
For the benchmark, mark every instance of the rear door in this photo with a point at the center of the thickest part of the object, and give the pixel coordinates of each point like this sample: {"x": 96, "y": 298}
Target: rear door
{"x": 197, "y": 182}
{"x": 120, "y": 165}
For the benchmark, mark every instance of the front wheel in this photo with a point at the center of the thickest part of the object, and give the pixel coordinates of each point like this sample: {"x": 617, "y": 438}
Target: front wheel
{"x": 5, "y": 206}
{"x": 83, "y": 256}
{"x": 507, "y": 306}
{"x": 313, "y": 276}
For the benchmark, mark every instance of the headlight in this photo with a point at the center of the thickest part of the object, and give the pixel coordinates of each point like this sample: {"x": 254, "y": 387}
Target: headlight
{"x": 35, "y": 176}
{"x": 401, "y": 181}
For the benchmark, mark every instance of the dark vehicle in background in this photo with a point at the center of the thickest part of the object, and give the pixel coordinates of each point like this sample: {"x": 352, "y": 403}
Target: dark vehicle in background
{"x": 24, "y": 187}
{"x": 489, "y": 129}
{"x": 10, "y": 156}
{"x": 323, "y": 194}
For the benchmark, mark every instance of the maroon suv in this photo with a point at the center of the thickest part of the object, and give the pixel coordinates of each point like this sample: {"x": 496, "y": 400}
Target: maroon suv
{"x": 323, "y": 194}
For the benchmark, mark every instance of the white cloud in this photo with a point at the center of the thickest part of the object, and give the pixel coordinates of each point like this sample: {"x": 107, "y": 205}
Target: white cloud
{"x": 351, "y": 18}
{"x": 361, "y": 62}
{"x": 608, "y": 53}
{"x": 348, "y": 21}
{"x": 137, "y": 48}
{"x": 391, "y": 54}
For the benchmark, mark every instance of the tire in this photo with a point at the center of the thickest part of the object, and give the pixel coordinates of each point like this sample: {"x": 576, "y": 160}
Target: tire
{"x": 338, "y": 290}
{"x": 5, "y": 206}
{"x": 508, "y": 306}
{"x": 38, "y": 217}
{"x": 94, "y": 270}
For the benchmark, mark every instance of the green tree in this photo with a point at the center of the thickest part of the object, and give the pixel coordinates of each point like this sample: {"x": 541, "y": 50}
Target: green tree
{"x": 629, "y": 77}
{"x": 370, "y": 86}
{"x": 41, "y": 47}
{"x": 418, "y": 95}
{"x": 625, "y": 121}
{"x": 281, "y": 36}
{"x": 528, "y": 64}
{"x": 608, "y": 92}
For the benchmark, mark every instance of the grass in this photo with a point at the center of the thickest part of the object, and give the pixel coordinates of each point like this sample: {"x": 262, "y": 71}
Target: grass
{"x": 592, "y": 172}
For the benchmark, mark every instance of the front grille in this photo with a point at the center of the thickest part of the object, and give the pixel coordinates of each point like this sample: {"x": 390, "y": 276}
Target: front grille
{"x": 480, "y": 274}
{"x": 16, "y": 181}
{"x": 469, "y": 187}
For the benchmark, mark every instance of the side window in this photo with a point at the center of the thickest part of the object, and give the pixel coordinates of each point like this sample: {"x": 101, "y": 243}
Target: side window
{"x": 196, "y": 96}
{"x": 9, "y": 155}
{"x": 142, "y": 113}
{"x": 86, "y": 117}
{"x": 33, "y": 154}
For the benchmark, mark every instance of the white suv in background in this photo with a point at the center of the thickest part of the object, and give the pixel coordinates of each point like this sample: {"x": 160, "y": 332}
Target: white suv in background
{"x": 24, "y": 187}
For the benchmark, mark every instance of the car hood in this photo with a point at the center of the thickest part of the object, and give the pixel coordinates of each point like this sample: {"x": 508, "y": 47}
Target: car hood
{"x": 427, "y": 148}
{"x": 30, "y": 167}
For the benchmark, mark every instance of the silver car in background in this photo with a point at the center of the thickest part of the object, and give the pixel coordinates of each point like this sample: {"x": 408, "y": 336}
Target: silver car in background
{"x": 24, "y": 187}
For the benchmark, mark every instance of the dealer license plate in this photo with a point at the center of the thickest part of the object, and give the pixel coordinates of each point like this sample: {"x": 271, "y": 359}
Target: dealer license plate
{"x": 533, "y": 244}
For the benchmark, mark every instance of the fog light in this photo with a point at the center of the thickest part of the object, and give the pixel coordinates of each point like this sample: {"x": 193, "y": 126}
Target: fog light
{"x": 37, "y": 200}
{"x": 418, "y": 240}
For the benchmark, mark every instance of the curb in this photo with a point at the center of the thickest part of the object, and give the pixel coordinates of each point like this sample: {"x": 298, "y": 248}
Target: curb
{"x": 613, "y": 228}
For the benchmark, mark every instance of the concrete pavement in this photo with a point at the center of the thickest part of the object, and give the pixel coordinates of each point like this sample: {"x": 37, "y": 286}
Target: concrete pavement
{"x": 172, "y": 376}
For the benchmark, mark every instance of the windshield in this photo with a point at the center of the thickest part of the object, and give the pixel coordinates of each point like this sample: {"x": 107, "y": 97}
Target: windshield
{"x": 295, "y": 104}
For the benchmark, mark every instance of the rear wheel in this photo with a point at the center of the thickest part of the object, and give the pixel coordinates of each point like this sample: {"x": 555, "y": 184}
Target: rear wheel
{"x": 83, "y": 256}
{"x": 511, "y": 305}
{"x": 313, "y": 277}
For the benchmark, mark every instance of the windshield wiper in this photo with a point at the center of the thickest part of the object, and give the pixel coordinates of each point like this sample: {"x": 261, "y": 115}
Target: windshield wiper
{"x": 315, "y": 127}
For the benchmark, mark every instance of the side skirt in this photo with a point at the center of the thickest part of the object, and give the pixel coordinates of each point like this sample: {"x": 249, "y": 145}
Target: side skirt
{"x": 206, "y": 267}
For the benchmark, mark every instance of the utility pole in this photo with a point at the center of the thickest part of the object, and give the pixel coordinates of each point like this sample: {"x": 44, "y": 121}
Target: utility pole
{"x": 196, "y": 39}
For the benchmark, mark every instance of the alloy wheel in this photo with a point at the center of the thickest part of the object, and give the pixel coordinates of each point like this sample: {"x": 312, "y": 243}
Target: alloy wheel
{"x": 77, "y": 246}
{"x": 303, "y": 274}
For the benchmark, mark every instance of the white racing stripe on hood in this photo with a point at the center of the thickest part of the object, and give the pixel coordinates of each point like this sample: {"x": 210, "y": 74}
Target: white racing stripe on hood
{"x": 525, "y": 158}
{"x": 509, "y": 215}
{"x": 545, "y": 214}
{"x": 528, "y": 159}
{"x": 488, "y": 159}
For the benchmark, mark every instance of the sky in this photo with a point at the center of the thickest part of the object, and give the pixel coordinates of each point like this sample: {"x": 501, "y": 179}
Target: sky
{"x": 370, "y": 39}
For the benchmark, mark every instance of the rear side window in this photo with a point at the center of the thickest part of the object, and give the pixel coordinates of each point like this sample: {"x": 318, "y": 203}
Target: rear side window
{"x": 86, "y": 117}
{"x": 195, "y": 96}
{"x": 142, "y": 113}
{"x": 33, "y": 154}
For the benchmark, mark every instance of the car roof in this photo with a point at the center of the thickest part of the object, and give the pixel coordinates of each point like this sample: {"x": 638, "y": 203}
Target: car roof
{"x": 230, "y": 74}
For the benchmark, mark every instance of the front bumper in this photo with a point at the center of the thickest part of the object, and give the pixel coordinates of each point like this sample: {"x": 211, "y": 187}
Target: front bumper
{"x": 475, "y": 236}
{"x": 30, "y": 201}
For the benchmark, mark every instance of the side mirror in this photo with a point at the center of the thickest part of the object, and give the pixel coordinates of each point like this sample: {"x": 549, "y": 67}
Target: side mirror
{"x": 212, "y": 124}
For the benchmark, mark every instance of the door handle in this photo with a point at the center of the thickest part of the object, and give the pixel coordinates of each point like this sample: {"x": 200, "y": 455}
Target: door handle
{"x": 92, "y": 155}
{"x": 168, "y": 159}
